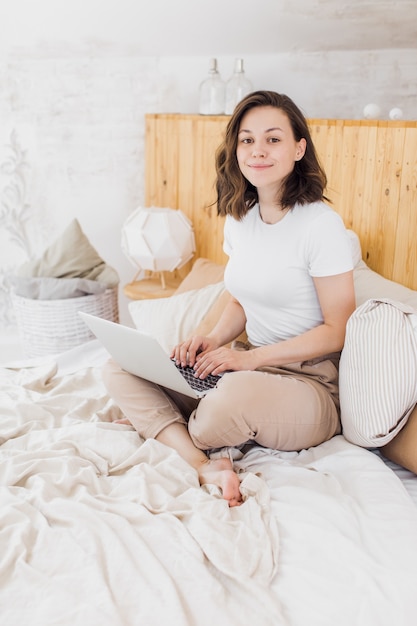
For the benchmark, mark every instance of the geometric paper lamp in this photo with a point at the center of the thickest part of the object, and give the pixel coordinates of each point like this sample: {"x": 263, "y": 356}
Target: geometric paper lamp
{"x": 158, "y": 239}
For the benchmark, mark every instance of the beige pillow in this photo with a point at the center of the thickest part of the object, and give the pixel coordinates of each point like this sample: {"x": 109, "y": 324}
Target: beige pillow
{"x": 203, "y": 273}
{"x": 71, "y": 256}
{"x": 171, "y": 320}
{"x": 370, "y": 284}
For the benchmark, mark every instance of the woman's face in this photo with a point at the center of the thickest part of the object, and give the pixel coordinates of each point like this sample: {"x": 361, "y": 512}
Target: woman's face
{"x": 266, "y": 148}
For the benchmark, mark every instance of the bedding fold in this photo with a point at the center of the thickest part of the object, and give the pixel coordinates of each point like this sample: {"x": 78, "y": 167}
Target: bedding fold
{"x": 99, "y": 527}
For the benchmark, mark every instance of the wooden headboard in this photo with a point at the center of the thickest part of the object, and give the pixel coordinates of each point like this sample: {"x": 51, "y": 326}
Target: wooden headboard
{"x": 372, "y": 181}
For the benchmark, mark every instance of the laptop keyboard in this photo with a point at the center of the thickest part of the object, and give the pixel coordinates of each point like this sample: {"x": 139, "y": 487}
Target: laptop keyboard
{"x": 198, "y": 384}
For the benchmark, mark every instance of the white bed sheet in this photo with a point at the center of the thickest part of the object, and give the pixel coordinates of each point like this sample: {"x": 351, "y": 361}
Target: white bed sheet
{"x": 407, "y": 478}
{"x": 99, "y": 528}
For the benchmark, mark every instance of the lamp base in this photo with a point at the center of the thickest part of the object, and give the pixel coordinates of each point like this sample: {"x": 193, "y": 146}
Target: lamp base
{"x": 152, "y": 288}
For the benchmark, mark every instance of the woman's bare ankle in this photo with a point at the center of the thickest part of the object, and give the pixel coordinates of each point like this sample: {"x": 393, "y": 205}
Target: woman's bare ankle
{"x": 220, "y": 472}
{"x": 217, "y": 472}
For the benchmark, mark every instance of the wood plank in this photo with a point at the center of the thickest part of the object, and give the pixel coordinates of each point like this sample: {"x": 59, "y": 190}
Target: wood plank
{"x": 327, "y": 136}
{"x": 387, "y": 196}
{"x": 210, "y": 226}
{"x": 405, "y": 260}
{"x": 360, "y": 206}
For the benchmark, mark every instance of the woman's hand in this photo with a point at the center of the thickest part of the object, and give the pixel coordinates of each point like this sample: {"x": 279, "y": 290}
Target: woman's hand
{"x": 206, "y": 357}
{"x": 185, "y": 353}
{"x": 222, "y": 360}
{"x": 229, "y": 326}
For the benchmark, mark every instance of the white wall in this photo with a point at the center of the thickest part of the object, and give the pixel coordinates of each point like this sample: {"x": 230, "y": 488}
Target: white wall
{"x": 325, "y": 84}
{"x": 75, "y": 110}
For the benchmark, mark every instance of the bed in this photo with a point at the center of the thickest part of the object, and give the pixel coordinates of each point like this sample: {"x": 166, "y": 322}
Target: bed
{"x": 100, "y": 528}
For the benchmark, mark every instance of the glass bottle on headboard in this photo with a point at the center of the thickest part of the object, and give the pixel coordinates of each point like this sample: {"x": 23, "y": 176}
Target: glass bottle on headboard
{"x": 237, "y": 87}
{"x": 212, "y": 92}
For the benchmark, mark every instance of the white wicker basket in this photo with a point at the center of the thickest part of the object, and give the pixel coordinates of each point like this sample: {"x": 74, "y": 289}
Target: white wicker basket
{"x": 53, "y": 326}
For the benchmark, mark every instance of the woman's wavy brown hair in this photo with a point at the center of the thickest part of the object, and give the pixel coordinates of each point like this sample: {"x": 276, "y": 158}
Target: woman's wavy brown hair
{"x": 306, "y": 183}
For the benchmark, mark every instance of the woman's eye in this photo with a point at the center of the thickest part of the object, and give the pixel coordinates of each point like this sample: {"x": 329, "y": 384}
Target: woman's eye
{"x": 273, "y": 139}
{"x": 247, "y": 140}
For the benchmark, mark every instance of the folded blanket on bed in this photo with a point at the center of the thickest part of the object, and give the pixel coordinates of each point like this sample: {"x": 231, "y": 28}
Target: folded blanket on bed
{"x": 42, "y": 288}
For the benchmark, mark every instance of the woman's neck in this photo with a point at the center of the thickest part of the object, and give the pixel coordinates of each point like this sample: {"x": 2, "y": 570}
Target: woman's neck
{"x": 271, "y": 213}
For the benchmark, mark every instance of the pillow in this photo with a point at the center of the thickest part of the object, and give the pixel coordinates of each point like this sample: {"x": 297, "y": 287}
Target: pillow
{"x": 171, "y": 320}
{"x": 204, "y": 272}
{"x": 71, "y": 256}
{"x": 370, "y": 284}
{"x": 378, "y": 371}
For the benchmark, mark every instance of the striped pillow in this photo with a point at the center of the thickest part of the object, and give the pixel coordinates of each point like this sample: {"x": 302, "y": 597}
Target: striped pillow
{"x": 378, "y": 371}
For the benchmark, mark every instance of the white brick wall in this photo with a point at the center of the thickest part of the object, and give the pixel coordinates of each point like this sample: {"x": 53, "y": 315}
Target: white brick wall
{"x": 80, "y": 122}
{"x": 78, "y": 115}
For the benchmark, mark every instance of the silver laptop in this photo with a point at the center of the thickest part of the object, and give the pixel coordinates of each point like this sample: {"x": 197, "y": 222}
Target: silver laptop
{"x": 140, "y": 354}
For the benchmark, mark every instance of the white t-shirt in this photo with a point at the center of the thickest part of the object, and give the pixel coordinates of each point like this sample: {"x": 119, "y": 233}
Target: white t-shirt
{"x": 271, "y": 266}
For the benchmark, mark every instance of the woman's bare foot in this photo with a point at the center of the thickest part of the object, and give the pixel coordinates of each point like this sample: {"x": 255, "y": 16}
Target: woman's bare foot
{"x": 123, "y": 420}
{"x": 220, "y": 472}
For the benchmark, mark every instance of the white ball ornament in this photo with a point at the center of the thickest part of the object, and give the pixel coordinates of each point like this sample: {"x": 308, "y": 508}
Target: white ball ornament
{"x": 372, "y": 111}
{"x": 396, "y": 113}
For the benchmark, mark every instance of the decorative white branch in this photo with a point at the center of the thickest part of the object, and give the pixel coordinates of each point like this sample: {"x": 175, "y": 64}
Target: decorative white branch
{"x": 14, "y": 213}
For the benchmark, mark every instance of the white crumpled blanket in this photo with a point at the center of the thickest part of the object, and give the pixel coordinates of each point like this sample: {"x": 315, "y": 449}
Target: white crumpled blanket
{"x": 100, "y": 528}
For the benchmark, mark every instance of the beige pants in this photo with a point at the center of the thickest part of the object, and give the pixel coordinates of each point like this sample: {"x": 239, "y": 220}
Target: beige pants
{"x": 283, "y": 408}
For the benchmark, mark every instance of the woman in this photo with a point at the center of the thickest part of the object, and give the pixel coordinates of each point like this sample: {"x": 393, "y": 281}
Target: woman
{"x": 290, "y": 278}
